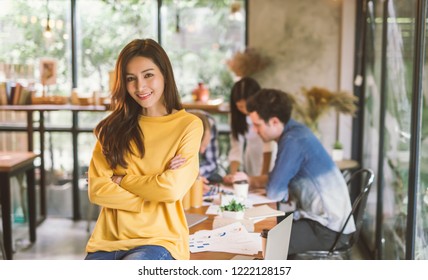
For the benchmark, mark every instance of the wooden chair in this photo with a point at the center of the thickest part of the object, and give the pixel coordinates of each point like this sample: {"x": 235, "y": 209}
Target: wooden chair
{"x": 366, "y": 178}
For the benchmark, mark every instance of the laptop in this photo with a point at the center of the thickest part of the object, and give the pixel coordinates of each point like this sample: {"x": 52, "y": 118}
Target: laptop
{"x": 278, "y": 240}
{"x": 277, "y": 243}
{"x": 194, "y": 219}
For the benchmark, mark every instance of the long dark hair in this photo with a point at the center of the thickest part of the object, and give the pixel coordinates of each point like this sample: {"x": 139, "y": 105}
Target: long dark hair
{"x": 242, "y": 89}
{"x": 117, "y": 130}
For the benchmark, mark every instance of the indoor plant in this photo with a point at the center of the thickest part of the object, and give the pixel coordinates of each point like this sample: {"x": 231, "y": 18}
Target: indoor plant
{"x": 233, "y": 209}
{"x": 247, "y": 62}
{"x": 337, "y": 152}
{"x": 316, "y": 102}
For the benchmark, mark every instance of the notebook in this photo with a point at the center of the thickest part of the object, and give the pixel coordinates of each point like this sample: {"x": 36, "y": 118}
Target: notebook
{"x": 261, "y": 212}
{"x": 194, "y": 219}
{"x": 277, "y": 243}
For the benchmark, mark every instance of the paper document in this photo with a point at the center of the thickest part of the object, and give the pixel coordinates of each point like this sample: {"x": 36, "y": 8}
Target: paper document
{"x": 233, "y": 238}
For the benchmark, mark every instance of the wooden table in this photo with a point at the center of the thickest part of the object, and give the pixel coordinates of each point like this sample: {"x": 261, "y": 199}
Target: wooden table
{"x": 347, "y": 164}
{"x": 12, "y": 164}
{"x": 213, "y": 106}
{"x": 207, "y": 224}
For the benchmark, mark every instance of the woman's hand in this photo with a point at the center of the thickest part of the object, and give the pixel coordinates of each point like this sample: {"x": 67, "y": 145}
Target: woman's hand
{"x": 176, "y": 162}
{"x": 228, "y": 179}
{"x": 117, "y": 179}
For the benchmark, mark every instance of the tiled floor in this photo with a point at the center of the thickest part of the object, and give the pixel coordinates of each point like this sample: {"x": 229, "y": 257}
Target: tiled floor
{"x": 62, "y": 239}
{"x": 57, "y": 239}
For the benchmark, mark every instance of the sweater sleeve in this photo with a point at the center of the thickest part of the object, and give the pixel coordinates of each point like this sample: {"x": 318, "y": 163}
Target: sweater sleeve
{"x": 103, "y": 191}
{"x": 171, "y": 185}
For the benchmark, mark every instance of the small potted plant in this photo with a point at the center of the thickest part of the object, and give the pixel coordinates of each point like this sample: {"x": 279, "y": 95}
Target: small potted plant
{"x": 233, "y": 210}
{"x": 337, "y": 153}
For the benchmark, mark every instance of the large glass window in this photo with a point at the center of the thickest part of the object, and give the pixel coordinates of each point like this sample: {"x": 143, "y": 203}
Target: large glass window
{"x": 32, "y": 32}
{"x": 104, "y": 27}
{"x": 199, "y": 37}
{"x": 399, "y": 62}
{"x": 388, "y": 94}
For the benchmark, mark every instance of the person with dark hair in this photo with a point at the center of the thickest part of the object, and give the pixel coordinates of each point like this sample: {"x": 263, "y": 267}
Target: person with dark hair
{"x": 144, "y": 162}
{"x": 304, "y": 172}
{"x": 248, "y": 152}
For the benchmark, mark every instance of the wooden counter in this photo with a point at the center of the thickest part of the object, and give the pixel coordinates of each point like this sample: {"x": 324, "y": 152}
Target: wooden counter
{"x": 214, "y": 106}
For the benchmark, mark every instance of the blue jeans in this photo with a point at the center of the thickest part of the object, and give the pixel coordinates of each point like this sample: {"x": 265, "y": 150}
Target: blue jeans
{"x": 146, "y": 252}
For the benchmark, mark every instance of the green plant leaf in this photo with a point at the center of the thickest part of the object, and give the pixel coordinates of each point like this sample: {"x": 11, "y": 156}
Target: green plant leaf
{"x": 233, "y": 206}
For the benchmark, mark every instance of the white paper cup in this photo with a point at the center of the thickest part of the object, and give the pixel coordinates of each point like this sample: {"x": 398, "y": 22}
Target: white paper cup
{"x": 241, "y": 191}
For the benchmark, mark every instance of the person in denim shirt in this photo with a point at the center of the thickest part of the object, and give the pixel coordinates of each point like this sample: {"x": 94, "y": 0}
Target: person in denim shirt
{"x": 304, "y": 172}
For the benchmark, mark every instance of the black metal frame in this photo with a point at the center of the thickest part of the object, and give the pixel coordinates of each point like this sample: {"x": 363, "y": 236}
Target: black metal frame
{"x": 416, "y": 122}
{"x": 381, "y": 148}
{"x": 416, "y": 117}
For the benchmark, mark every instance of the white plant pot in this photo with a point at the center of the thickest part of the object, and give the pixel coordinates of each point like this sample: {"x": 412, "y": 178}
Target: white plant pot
{"x": 233, "y": 215}
{"x": 337, "y": 154}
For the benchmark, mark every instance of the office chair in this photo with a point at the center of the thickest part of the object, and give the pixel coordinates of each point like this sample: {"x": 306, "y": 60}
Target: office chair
{"x": 366, "y": 178}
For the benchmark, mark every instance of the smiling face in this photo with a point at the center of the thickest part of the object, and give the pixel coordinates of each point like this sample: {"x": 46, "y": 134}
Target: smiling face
{"x": 145, "y": 83}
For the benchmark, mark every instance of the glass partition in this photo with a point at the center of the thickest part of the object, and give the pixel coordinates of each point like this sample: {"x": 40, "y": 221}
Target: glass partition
{"x": 421, "y": 244}
{"x": 388, "y": 95}
{"x": 373, "y": 47}
{"x": 399, "y": 78}
{"x": 32, "y": 32}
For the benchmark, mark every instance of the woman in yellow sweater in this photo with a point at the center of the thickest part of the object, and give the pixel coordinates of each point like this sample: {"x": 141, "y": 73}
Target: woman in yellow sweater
{"x": 144, "y": 162}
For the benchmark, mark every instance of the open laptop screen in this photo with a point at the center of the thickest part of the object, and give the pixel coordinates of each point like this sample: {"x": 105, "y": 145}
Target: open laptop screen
{"x": 278, "y": 240}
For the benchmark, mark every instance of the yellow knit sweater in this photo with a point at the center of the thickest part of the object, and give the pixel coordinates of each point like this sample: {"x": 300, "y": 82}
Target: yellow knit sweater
{"x": 146, "y": 209}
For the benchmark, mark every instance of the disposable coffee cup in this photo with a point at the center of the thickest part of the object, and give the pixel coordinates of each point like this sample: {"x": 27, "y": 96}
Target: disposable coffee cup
{"x": 264, "y": 235}
{"x": 196, "y": 193}
{"x": 241, "y": 190}
{"x": 186, "y": 201}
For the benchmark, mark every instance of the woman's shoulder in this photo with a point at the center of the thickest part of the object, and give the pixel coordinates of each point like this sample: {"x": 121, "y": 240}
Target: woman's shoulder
{"x": 188, "y": 119}
{"x": 188, "y": 116}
